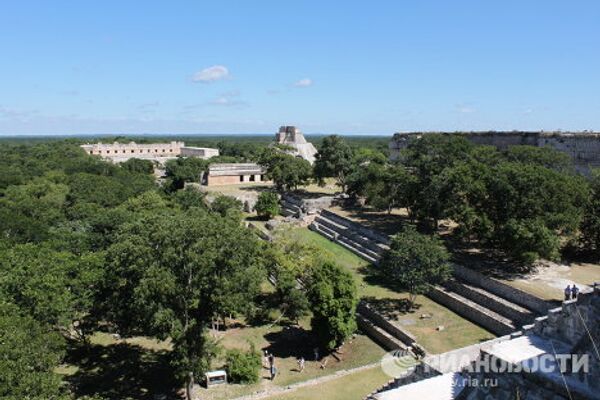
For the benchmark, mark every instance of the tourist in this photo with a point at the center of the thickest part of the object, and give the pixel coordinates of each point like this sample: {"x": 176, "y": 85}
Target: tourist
{"x": 301, "y": 364}
{"x": 266, "y": 359}
{"x": 316, "y": 354}
{"x": 574, "y": 292}
{"x": 568, "y": 293}
{"x": 271, "y": 360}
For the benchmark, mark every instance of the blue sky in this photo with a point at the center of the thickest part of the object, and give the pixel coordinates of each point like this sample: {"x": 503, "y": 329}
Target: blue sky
{"x": 349, "y": 67}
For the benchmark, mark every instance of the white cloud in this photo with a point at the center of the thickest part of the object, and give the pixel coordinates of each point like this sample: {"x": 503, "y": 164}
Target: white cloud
{"x": 465, "y": 109}
{"x": 306, "y": 82}
{"x": 211, "y": 74}
{"x": 227, "y": 101}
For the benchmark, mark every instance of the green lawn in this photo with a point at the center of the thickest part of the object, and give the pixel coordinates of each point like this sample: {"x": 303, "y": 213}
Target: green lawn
{"x": 287, "y": 344}
{"x": 353, "y": 386}
{"x": 135, "y": 368}
{"x": 457, "y": 332}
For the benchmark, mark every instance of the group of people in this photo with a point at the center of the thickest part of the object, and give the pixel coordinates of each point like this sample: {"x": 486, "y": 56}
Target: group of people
{"x": 269, "y": 362}
{"x": 571, "y": 292}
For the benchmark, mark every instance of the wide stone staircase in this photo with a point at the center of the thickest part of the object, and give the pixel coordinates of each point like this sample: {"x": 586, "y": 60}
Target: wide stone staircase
{"x": 489, "y": 303}
{"x": 363, "y": 242}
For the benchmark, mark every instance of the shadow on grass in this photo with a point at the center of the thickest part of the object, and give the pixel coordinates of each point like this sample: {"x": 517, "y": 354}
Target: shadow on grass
{"x": 121, "y": 371}
{"x": 392, "y": 308}
{"x": 292, "y": 341}
{"x": 379, "y": 221}
{"x": 374, "y": 277}
{"x": 304, "y": 194}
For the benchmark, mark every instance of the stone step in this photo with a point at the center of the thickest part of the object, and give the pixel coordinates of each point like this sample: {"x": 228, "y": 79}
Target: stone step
{"x": 348, "y": 240}
{"x": 355, "y": 226}
{"x": 287, "y": 212}
{"x": 468, "y": 309}
{"x": 365, "y": 241}
{"x": 378, "y": 334}
{"x": 506, "y": 308}
{"x": 331, "y": 236}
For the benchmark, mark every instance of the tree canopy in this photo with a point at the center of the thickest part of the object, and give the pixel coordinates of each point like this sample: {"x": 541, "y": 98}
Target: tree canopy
{"x": 414, "y": 261}
{"x": 334, "y": 159}
{"x": 333, "y": 296}
{"x": 174, "y": 272}
{"x": 267, "y": 205}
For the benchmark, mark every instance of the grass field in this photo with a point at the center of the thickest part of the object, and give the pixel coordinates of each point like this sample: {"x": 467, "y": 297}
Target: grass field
{"x": 135, "y": 368}
{"x": 457, "y": 332}
{"x": 287, "y": 344}
{"x": 353, "y": 386}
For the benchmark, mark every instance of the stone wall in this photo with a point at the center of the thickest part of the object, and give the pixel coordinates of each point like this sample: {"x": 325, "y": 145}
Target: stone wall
{"x": 378, "y": 335}
{"x": 119, "y": 152}
{"x": 356, "y": 227}
{"x": 583, "y": 147}
{"x": 200, "y": 152}
{"x": 495, "y": 303}
{"x": 406, "y": 337}
{"x": 471, "y": 311}
{"x": 501, "y": 289}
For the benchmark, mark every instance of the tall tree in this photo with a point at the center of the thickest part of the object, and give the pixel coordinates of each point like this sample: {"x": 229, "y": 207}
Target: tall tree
{"x": 333, "y": 160}
{"x": 333, "y": 296}
{"x": 181, "y": 170}
{"x": 286, "y": 171}
{"x": 174, "y": 272}
{"x": 414, "y": 261}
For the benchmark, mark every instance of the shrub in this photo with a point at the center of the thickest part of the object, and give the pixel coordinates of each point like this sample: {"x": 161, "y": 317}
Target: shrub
{"x": 267, "y": 205}
{"x": 243, "y": 367}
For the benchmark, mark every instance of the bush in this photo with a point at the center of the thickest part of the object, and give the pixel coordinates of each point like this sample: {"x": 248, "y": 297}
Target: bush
{"x": 243, "y": 367}
{"x": 267, "y": 205}
{"x": 227, "y": 206}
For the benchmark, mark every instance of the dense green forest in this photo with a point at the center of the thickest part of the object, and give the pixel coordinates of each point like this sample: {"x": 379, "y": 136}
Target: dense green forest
{"x": 87, "y": 245}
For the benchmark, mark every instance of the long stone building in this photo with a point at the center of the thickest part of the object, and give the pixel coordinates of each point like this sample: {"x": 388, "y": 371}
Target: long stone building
{"x": 119, "y": 152}
{"x": 582, "y": 147}
{"x": 234, "y": 173}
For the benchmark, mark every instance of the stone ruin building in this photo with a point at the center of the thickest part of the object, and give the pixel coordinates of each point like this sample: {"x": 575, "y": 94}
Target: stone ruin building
{"x": 292, "y": 137}
{"x": 529, "y": 363}
{"x": 582, "y": 147}
{"x": 234, "y": 173}
{"x": 119, "y": 152}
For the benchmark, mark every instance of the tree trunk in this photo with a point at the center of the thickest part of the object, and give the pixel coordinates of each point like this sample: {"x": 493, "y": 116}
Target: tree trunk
{"x": 189, "y": 388}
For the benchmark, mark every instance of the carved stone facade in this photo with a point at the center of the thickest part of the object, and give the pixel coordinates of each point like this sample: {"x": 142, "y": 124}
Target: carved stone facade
{"x": 119, "y": 152}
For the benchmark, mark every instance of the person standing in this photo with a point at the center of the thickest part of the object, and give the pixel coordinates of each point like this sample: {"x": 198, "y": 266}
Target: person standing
{"x": 568, "y": 293}
{"x": 574, "y": 292}
{"x": 301, "y": 364}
